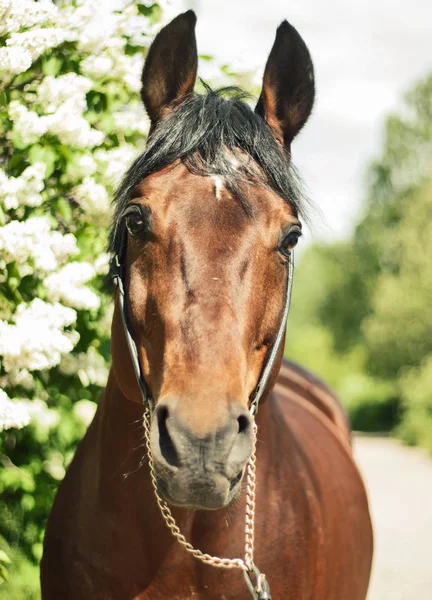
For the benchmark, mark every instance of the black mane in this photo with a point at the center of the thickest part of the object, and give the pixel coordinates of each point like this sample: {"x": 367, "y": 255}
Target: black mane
{"x": 214, "y": 135}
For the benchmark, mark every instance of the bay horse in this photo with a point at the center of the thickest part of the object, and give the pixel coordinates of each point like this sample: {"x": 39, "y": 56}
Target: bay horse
{"x": 204, "y": 229}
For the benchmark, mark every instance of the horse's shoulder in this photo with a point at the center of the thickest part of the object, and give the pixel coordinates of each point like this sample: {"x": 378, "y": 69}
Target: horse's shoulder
{"x": 299, "y": 384}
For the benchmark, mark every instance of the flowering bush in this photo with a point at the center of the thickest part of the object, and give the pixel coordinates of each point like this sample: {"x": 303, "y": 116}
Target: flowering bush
{"x": 70, "y": 123}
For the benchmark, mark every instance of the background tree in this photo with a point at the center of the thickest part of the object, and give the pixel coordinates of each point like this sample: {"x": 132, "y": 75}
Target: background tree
{"x": 368, "y": 323}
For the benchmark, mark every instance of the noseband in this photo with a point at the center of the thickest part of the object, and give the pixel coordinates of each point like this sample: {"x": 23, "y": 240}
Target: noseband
{"x": 259, "y": 590}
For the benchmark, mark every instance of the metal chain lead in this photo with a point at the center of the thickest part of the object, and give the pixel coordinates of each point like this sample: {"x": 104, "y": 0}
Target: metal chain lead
{"x": 246, "y": 565}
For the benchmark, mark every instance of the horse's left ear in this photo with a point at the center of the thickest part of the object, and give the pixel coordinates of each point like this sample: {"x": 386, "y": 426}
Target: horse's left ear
{"x": 288, "y": 90}
{"x": 170, "y": 68}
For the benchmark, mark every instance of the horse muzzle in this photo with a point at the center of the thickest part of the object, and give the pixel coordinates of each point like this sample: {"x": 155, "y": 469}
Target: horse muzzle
{"x": 200, "y": 471}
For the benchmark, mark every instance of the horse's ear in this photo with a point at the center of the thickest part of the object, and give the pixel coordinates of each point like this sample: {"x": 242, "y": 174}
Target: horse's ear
{"x": 288, "y": 90}
{"x": 170, "y": 68}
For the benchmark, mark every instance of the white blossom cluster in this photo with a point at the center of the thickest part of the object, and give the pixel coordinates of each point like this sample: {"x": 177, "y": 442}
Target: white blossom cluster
{"x": 114, "y": 63}
{"x": 12, "y": 414}
{"x": 37, "y": 339}
{"x": 14, "y": 60}
{"x": 52, "y": 92}
{"x": 93, "y": 199}
{"x": 22, "y": 49}
{"x": 22, "y": 378}
{"x": 84, "y": 410}
{"x": 41, "y": 417}
{"x": 33, "y": 246}
{"x": 131, "y": 119}
{"x": 17, "y": 14}
{"x": 89, "y": 366}
{"x": 24, "y": 190}
{"x": 63, "y": 101}
{"x": 115, "y": 162}
{"x": 37, "y": 41}
{"x": 68, "y": 286}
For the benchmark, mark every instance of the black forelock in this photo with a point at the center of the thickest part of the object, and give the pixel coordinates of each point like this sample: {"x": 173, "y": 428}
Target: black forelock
{"x": 215, "y": 133}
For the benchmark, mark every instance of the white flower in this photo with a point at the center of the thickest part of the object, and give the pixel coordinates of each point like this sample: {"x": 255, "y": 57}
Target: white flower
{"x": 90, "y": 367}
{"x": 22, "y": 378}
{"x": 25, "y": 13}
{"x": 94, "y": 35}
{"x": 37, "y": 41}
{"x": 64, "y": 99}
{"x": 68, "y": 124}
{"x": 12, "y": 414}
{"x": 71, "y": 88}
{"x": 93, "y": 198}
{"x": 132, "y": 120}
{"x": 84, "y": 411}
{"x": 41, "y": 417}
{"x": 86, "y": 165}
{"x": 24, "y": 190}
{"x": 15, "y": 60}
{"x": 112, "y": 62}
{"x": 210, "y": 70}
{"x": 116, "y": 162}
{"x": 101, "y": 264}
{"x": 68, "y": 286}
{"x": 135, "y": 26}
{"x": 128, "y": 69}
{"x": 27, "y": 123}
{"x": 170, "y": 9}
{"x": 54, "y": 465}
{"x": 37, "y": 340}
{"x": 97, "y": 66}
{"x": 34, "y": 247}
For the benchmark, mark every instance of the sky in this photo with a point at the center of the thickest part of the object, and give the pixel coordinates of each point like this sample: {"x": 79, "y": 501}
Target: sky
{"x": 366, "y": 54}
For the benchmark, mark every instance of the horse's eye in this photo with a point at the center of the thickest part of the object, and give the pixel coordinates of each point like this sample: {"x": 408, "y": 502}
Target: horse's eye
{"x": 289, "y": 240}
{"x": 137, "y": 220}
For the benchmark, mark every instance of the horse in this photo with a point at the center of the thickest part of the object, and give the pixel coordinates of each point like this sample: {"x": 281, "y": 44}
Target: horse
{"x": 203, "y": 234}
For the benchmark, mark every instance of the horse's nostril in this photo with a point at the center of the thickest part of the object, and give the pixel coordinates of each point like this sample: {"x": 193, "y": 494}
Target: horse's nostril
{"x": 236, "y": 480}
{"x": 166, "y": 445}
{"x": 243, "y": 423}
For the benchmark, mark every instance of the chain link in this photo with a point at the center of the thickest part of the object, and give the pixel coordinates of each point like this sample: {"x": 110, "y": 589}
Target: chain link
{"x": 245, "y": 564}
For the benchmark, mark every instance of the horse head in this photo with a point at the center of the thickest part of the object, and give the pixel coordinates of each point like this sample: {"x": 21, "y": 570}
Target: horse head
{"x": 205, "y": 224}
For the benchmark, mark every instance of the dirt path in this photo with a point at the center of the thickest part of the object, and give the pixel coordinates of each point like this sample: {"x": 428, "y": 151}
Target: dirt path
{"x": 399, "y": 481}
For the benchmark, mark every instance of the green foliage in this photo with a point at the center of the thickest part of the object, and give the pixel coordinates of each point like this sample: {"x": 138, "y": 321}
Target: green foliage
{"x": 362, "y": 309}
{"x": 416, "y": 389}
{"x": 398, "y": 331}
{"x": 23, "y": 580}
{"x": 371, "y": 402}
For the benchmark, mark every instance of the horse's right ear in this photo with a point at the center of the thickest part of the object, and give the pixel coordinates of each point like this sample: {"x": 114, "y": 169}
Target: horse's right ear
{"x": 170, "y": 68}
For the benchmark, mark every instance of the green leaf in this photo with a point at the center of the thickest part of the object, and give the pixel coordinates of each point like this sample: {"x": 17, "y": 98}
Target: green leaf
{"x": 46, "y": 155}
{"x": 17, "y": 159}
{"x": 64, "y": 209}
{"x": 4, "y": 576}
{"x": 4, "y": 557}
{"x": 52, "y": 66}
{"x": 145, "y": 9}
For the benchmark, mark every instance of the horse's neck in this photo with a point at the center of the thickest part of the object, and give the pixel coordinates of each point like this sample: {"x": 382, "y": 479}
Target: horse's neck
{"x": 124, "y": 490}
